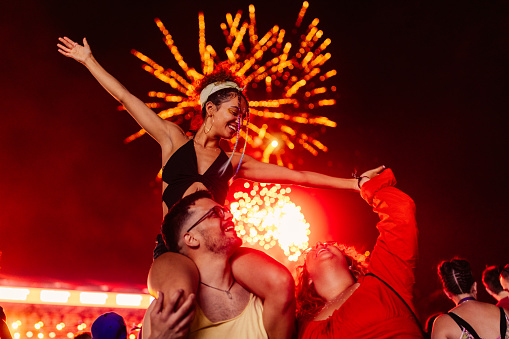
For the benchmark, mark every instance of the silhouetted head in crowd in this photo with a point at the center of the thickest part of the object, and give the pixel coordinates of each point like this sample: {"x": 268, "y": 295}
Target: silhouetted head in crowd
{"x": 504, "y": 278}
{"x": 109, "y": 326}
{"x": 491, "y": 281}
{"x": 483, "y": 318}
{"x": 457, "y": 278}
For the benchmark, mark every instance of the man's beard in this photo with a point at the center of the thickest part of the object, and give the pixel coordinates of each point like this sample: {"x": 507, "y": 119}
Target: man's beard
{"x": 221, "y": 245}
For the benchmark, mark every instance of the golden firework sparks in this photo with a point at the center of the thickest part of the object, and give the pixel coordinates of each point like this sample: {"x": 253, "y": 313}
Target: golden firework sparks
{"x": 265, "y": 216}
{"x": 277, "y": 65}
{"x": 281, "y": 71}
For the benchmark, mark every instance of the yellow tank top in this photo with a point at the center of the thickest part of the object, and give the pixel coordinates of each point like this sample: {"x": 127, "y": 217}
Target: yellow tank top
{"x": 248, "y": 324}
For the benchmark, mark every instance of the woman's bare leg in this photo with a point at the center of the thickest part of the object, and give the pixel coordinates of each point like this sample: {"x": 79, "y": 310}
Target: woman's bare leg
{"x": 171, "y": 272}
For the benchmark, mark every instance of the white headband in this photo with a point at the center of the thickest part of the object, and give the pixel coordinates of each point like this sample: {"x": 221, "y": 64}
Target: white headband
{"x": 214, "y": 87}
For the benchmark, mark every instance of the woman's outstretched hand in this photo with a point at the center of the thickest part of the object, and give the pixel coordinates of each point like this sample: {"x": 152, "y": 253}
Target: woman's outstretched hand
{"x": 74, "y": 50}
{"x": 370, "y": 174}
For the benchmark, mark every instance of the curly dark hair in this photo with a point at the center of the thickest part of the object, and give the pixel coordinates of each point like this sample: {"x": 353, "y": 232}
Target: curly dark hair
{"x": 309, "y": 303}
{"x": 222, "y": 73}
{"x": 456, "y": 276}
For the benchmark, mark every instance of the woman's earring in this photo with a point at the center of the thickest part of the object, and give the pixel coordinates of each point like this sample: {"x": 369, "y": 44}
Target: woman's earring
{"x": 212, "y": 124}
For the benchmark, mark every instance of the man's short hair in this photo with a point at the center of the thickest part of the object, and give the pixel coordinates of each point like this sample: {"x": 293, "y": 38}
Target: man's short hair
{"x": 177, "y": 216}
{"x": 505, "y": 272}
{"x": 490, "y": 279}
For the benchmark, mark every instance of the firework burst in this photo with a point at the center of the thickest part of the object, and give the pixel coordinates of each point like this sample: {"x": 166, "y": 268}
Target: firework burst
{"x": 281, "y": 72}
{"x": 284, "y": 67}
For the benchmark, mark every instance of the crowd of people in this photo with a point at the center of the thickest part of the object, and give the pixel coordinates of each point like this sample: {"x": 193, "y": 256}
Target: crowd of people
{"x": 471, "y": 318}
{"x": 217, "y": 318}
{"x": 207, "y": 285}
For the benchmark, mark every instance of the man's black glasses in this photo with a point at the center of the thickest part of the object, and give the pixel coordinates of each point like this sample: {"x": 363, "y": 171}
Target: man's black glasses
{"x": 220, "y": 212}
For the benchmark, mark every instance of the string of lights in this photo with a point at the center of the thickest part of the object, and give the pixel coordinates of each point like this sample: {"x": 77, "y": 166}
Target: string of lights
{"x": 63, "y": 313}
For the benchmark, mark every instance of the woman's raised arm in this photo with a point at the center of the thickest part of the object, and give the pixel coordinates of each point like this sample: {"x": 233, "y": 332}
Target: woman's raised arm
{"x": 255, "y": 170}
{"x": 161, "y": 130}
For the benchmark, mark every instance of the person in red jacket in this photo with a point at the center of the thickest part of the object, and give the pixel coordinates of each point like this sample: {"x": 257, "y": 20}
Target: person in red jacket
{"x": 339, "y": 295}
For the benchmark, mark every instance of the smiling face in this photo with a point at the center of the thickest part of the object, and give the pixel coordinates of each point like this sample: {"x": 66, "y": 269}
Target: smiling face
{"x": 227, "y": 116}
{"x": 216, "y": 231}
{"x": 324, "y": 256}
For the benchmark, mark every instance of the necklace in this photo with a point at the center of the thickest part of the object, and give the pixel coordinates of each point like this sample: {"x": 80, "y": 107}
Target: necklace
{"x": 207, "y": 148}
{"x": 466, "y": 299}
{"x": 225, "y": 291}
{"x": 341, "y": 297}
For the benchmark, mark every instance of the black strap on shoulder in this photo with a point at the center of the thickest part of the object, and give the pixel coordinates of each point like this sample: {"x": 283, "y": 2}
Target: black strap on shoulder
{"x": 464, "y": 325}
{"x": 403, "y": 300}
{"x": 503, "y": 323}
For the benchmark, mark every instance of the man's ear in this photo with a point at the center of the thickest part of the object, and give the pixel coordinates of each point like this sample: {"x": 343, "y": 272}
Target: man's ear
{"x": 191, "y": 241}
{"x": 473, "y": 289}
{"x": 504, "y": 282}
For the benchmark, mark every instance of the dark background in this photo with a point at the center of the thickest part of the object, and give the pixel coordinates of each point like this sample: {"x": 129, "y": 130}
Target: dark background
{"x": 422, "y": 88}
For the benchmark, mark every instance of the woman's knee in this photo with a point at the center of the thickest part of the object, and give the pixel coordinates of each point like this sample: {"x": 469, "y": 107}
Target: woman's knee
{"x": 173, "y": 271}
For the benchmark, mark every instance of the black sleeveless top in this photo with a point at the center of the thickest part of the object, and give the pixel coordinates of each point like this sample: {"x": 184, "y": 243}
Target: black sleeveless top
{"x": 181, "y": 171}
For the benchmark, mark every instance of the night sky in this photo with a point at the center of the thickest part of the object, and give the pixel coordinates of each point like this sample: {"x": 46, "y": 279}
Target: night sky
{"x": 421, "y": 87}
